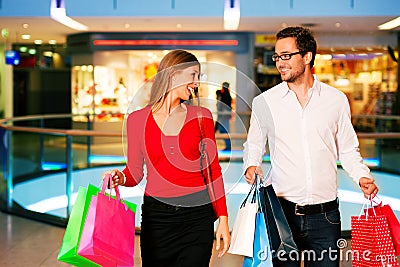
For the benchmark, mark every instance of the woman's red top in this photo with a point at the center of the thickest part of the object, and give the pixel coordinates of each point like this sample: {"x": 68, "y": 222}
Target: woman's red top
{"x": 172, "y": 162}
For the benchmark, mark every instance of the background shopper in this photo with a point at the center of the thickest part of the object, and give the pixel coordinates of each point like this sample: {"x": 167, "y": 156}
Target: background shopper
{"x": 224, "y": 109}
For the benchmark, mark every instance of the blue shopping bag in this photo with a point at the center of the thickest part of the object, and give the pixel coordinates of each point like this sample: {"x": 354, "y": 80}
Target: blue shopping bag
{"x": 262, "y": 254}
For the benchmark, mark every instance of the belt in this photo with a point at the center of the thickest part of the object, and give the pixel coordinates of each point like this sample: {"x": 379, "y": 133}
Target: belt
{"x": 302, "y": 210}
{"x": 163, "y": 206}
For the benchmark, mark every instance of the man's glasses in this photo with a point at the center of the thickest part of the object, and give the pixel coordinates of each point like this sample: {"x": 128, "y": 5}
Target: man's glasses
{"x": 285, "y": 56}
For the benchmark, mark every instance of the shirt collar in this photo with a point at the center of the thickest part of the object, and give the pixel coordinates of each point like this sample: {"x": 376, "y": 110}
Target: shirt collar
{"x": 316, "y": 87}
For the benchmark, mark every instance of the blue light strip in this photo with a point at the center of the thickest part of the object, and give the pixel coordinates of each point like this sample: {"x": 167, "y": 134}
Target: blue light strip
{"x": 107, "y": 159}
{"x": 53, "y": 166}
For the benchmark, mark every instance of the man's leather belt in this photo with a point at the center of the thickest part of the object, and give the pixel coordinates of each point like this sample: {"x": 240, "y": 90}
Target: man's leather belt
{"x": 299, "y": 209}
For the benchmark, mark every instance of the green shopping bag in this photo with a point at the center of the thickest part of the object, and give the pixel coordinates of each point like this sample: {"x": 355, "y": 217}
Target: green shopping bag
{"x": 69, "y": 248}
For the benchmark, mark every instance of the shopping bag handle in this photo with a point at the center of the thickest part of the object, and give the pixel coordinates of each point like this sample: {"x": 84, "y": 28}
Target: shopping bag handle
{"x": 368, "y": 204}
{"x": 106, "y": 181}
{"x": 373, "y": 201}
{"x": 253, "y": 189}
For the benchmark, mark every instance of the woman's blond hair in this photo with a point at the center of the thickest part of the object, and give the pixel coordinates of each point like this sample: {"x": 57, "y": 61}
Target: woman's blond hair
{"x": 172, "y": 62}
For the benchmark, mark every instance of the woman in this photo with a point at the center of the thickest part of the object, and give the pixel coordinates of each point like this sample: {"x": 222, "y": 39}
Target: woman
{"x": 177, "y": 226}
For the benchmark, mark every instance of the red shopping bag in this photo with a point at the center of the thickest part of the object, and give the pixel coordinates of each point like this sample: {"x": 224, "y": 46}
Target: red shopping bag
{"x": 394, "y": 224}
{"x": 371, "y": 241}
{"x": 108, "y": 235}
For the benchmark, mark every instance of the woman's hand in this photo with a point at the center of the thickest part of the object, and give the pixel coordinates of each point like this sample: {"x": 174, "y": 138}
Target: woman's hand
{"x": 117, "y": 177}
{"x": 222, "y": 233}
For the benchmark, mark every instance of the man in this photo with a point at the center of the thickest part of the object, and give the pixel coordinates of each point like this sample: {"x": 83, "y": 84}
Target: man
{"x": 308, "y": 127}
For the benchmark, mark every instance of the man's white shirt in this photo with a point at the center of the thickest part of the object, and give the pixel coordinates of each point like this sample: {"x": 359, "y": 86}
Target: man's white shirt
{"x": 304, "y": 143}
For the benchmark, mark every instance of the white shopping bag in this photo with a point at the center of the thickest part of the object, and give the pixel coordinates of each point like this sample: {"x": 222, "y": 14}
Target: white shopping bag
{"x": 243, "y": 229}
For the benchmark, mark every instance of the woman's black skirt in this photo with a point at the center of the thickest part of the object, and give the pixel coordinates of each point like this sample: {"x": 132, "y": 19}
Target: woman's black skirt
{"x": 173, "y": 235}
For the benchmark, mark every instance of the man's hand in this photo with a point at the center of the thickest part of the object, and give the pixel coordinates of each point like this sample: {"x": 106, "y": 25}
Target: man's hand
{"x": 368, "y": 187}
{"x": 250, "y": 174}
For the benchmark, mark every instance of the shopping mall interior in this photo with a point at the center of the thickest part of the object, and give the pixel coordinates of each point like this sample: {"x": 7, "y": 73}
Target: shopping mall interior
{"x": 73, "y": 70}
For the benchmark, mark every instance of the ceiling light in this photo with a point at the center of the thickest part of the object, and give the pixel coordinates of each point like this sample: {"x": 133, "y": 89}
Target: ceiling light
{"x": 23, "y": 49}
{"x": 52, "y": 42}
{"x": 48, "y": 54}
{"x": 390, "y": 24}
{"x": 58, "y": 13}
{"x": 25, "y": 25}
{"x": 338, "y": 24}
{"x": 4, "y": 32}
{"x": 231, "y": 14}
{"x": 38, "y": 42}
{"x": 25, "y": 36}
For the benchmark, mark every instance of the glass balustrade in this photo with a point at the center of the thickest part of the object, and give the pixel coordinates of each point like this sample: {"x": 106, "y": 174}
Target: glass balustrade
{"x": 44, "y": 161}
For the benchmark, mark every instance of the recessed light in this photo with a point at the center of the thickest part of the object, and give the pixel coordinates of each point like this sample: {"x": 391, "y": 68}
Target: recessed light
{"x": 23, "y": 49}
{"x": 48, "y": 54}
{"x": 231, "y": 14}
{"x": 38, "y": 42}
{"x": 52, "y": 42}
{"x": 4, "y": 32}
{"x": 25, "y": 36}
{"x": 25, "y": 25}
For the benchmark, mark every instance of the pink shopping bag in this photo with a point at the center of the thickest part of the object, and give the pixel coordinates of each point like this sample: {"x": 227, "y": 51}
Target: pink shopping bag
{"x": 108, "y": 235}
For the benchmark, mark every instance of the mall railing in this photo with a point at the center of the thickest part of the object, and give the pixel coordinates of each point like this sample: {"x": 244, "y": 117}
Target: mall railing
{"x": 34, "y": 146}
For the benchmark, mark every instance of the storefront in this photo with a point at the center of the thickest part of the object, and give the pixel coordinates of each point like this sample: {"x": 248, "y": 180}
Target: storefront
{"x": 368, "y": 75}
{"x": 111, "y": 72}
